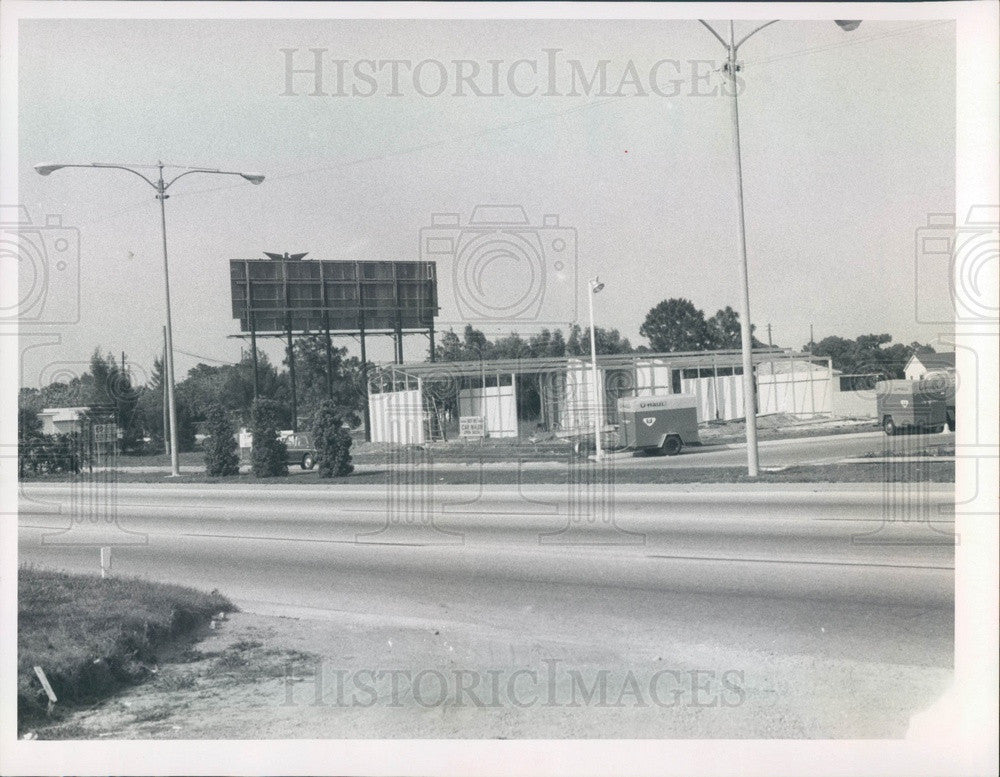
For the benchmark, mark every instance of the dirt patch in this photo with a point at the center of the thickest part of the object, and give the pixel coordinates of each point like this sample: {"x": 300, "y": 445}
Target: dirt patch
{"x": 335, "y": 676}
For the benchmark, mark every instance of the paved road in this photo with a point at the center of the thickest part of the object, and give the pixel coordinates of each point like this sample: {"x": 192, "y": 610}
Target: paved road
{"x": 806, "y": 450}
{"x": 835, "y": 597}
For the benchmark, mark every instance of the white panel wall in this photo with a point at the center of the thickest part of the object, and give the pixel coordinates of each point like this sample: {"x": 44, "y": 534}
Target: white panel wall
{"x": 652, "y": 379}
{"x": 800, "y": 392}
{"x": 580, "y": 404}
{"x": 497, "y": 404}
{"x": 720, "y": 397}
{"x": 397, "y": 416}
{"x": 854, "y": 404}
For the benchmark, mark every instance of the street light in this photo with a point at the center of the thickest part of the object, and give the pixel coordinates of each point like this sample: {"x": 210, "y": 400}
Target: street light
{"x": 595, "y": 288}
{"x": 731, "y": 68}
{"x": 161, "y": 194}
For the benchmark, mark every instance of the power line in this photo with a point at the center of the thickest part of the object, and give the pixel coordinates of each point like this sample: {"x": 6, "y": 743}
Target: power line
{"x": 849, "y": 41}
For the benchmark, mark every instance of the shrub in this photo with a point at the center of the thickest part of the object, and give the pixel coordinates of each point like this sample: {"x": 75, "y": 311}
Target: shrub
{"x": 50, "y": 454}
{"x": 221, "y": 451}
{"x": 332, "y": 441}
{"x": 269, "y": 455}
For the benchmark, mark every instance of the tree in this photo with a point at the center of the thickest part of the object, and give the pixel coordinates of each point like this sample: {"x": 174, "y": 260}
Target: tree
{"x": 29, "y": 425}
{"x": 868, "y": 354}
{"x": 347, "y": 388}
{"x": 269, "y": 455}
{"x": 231, "y": 385}
{"x": 724, "y": 331}
{"x": 221, "y": 449}
{"x": 332, "y": 441}
{"x": 676, "y": 325}
{"x": 149, "y": 412}
{"x": 606, "y": 341}
{"x": 109, "y": 385}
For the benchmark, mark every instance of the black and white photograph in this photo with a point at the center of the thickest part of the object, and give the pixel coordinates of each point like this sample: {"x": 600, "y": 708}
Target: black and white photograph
{"x": 499, "y": 388}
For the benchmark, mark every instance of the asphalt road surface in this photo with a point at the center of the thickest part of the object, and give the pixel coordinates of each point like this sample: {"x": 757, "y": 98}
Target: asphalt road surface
{"x": 835, "y": 605}
{"x": 792, "y": 452}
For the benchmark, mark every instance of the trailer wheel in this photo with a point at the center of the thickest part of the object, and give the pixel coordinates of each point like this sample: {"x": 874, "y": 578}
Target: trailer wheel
{"x": 889, "y": 426}
{"x": 951, "y": 422}
{"x": 672, "y": 445}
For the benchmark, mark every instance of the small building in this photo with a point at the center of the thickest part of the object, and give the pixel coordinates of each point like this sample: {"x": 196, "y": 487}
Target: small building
{"x": 63, "y": 420}
{"x": 923, "y": 365}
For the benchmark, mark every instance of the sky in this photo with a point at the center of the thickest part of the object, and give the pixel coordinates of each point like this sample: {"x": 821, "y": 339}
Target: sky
{"x": 848, "y": 143}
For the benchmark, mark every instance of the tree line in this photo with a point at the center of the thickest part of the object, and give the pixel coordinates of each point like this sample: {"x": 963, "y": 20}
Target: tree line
{"x": 672, "y": 325}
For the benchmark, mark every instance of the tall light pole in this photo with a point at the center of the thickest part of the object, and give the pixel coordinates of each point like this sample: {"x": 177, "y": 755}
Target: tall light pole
{"x": 731, "y": 68}
{"x": 161, "y": 187}
{"x": 595, "y": 288}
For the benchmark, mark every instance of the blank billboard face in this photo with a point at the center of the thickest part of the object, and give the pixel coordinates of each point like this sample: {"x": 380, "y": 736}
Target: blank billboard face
{"x": 304, "y": 295}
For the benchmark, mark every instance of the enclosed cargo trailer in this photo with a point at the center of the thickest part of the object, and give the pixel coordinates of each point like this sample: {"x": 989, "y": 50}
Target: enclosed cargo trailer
{"x": 665, "y": 424}
{"x": 916, "y": 405}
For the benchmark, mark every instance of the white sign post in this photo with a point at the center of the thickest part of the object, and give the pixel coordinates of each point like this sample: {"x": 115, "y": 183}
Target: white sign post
{"x": 48, "y": 688}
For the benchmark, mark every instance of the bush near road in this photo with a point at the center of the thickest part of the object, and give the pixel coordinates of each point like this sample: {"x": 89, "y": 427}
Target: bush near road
{"x": 92, "y": 635}
{"x": 221, "y": 451}
{"x": 332, "y": 442}
{"x": 268, "y": 457}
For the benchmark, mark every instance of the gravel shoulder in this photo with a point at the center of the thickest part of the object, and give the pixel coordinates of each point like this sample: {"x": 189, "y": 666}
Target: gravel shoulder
{"x": 254, "y": 677}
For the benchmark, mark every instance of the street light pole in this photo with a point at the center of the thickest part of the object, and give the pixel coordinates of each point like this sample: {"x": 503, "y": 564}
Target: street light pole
{"x": 171, "y": 402}
{"x": 161, "y": 194}
{"x": 595, "y": 287}
{"x": 746, "y": 330}
{"x": 731, "y": 68}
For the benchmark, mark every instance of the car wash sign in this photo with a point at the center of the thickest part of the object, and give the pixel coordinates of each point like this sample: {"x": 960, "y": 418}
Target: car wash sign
{"x": 472, "y": 427}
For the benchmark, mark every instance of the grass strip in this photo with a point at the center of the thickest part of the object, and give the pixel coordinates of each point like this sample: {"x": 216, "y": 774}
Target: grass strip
{"x": 92, "y": 636}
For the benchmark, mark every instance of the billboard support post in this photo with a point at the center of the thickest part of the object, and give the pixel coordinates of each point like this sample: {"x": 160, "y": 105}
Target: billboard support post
{"x": 364, "y": 359}
{"x": 291, "y": 372}
{"x": 253, "y": 338}
{"x": 329, "y": 355}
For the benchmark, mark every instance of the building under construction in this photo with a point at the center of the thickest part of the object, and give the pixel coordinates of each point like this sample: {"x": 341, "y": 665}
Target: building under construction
{"x": 424, "y": 402}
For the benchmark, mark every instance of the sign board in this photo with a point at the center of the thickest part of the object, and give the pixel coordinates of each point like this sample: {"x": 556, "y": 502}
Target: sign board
{"x": 472, "y": 426}
{"x": 304, "y": 295}
{"x": 106, "y": 433}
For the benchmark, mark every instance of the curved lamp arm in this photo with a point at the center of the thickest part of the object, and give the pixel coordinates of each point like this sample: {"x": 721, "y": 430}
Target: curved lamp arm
{"x": 754, "y": 32}
{"x": 46, "y": 169}
{"x": 847, "y": 26}
{"x": 253, "y": 178}
{"x": 712, "y": 30}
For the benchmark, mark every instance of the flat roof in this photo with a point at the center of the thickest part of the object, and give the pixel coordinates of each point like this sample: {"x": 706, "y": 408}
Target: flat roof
{"x": 675, "y": 360}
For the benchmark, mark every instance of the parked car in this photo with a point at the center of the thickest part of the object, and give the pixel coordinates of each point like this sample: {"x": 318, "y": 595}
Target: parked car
{"x": 300, "y": 449}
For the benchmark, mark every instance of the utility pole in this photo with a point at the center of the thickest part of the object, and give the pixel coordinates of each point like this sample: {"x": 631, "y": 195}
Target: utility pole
{"x": 167, "y": 440}
{"x": 812, "y": 340}
{"x": 769, "y": 343}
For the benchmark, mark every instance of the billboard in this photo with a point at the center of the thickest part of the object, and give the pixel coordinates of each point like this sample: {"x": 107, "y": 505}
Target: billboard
{"x": 301, "y": 295}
